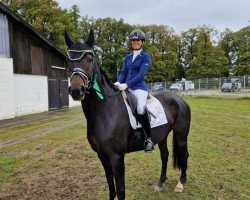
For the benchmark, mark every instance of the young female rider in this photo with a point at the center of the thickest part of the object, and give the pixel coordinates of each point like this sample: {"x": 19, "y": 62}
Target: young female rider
{"x": 135, "y": 67}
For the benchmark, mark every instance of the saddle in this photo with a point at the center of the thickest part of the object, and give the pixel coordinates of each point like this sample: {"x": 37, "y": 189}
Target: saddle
{"x": 132, "y": 102}
{"x": 154, "y": 108}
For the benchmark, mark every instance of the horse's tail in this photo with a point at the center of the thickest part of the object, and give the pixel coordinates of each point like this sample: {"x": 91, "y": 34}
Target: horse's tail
{"x": 176, "y": 155}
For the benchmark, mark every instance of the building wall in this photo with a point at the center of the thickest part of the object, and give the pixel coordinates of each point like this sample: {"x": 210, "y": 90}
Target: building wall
{"x": 6, "y": 88}
{"x": 30, "y": 94}
{"x": 23, "y": 94}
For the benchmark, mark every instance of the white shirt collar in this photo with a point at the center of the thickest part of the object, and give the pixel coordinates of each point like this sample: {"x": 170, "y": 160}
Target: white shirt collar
{"x": 137, "y": 52}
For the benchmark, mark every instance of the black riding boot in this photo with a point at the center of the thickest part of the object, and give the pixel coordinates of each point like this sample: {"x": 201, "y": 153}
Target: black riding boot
{"x": 144, "y": 121}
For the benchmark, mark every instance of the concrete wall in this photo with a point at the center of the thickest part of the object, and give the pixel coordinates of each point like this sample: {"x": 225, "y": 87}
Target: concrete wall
{"x": 6, "y": 88}
{"x": 22, "y": 94}
{"x": 30, "y": 94}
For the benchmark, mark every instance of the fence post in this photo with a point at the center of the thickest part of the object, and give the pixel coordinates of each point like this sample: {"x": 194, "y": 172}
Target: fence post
{"x": 199, "y": 84}
{"x": 219, "y": 83}
{"x": 244, "y": 84}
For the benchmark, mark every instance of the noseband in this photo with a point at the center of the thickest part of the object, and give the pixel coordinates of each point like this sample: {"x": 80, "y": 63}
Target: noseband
{"x": 80, "y": 72}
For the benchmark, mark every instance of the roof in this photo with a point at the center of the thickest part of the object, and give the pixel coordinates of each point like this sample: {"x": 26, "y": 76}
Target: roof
{"x": 5, "y": 10}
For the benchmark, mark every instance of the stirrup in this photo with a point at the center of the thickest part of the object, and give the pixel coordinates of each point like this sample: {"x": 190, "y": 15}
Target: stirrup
{"x": 148, "y": 146}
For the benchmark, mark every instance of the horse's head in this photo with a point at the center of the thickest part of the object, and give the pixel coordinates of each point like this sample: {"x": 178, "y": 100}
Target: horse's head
{"x": 80, "y": 56}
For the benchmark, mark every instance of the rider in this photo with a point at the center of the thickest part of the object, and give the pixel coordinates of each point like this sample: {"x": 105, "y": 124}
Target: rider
{"x": 135, "y": 67}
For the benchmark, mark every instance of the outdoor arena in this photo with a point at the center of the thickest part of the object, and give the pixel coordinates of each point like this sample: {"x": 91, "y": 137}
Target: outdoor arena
{"x": 47, "y": 155}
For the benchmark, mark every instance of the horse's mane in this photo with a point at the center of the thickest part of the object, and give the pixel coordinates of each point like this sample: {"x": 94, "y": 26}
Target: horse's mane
{"x": 106, "y": 76}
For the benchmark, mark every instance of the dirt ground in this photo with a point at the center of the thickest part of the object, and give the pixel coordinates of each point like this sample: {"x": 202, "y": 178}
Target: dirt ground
{"x": 35, "y": 117}
{"x": 62, "y": 165}
{"x": 54, "y": 159}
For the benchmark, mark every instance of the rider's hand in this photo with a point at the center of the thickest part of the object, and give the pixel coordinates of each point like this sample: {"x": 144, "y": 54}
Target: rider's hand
{"x": 122, "y": 86}
{"x": 116, "y": 84}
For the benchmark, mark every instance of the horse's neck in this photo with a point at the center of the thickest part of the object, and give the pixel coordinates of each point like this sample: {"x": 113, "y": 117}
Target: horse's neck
{"x": 95, "y": 107}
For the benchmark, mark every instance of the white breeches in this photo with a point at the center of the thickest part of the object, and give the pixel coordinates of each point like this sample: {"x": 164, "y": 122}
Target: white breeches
{"x": 141, "y": 96}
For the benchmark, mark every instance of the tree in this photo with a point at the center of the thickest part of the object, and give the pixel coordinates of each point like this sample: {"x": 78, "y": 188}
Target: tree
{"x": 46, "y": 17}
{"x": 242, "y": 45}
{"x": 209, "y": 60}
{"x": 236, "y": 46}
{"x": 226, "y": 44}
{"x": 111, "y": 43}
{"x": 156, "y": 70}
{"x": 162, "y": 44}
{"x": 187, "y": 42}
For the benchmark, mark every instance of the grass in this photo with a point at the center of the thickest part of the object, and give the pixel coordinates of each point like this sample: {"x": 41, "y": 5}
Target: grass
{"x": 61, "y": 164}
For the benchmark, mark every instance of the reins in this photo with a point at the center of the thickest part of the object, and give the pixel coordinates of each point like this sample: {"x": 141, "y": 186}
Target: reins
{"x": 107, "y": 95}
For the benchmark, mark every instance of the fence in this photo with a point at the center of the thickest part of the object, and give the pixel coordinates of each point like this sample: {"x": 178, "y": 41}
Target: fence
{"x": 208, "y": 83}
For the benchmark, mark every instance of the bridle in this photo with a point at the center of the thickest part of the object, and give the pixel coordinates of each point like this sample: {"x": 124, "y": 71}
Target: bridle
{"x": 78, "y": 70}
{"x": 87, "y": 79}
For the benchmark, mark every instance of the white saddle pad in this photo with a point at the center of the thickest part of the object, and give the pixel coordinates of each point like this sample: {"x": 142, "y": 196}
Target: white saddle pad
{"x": 155, "y": 108}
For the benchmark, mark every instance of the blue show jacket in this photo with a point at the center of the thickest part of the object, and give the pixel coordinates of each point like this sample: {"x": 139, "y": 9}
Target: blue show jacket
{"x": 133, "y": 73}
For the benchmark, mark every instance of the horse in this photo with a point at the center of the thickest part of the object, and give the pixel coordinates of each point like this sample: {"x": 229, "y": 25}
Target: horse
{"x": 109, "y": 131}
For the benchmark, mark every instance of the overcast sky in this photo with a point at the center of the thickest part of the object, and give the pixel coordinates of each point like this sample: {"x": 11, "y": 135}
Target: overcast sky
{"x": 177, "y": 14}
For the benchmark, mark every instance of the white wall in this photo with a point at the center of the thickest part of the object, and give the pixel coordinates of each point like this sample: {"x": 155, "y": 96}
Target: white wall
{"x": 22, "y": 94}
{"x": 6, "y": 88}
{"x": 30, "y": 94}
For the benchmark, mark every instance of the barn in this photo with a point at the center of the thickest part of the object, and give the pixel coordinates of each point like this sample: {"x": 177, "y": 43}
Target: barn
{"x": 33, "y": 75}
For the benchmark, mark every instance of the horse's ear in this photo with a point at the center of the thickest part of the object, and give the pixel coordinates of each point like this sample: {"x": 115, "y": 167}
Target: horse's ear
{"x": 68, "y": 39}
{"x": 90, "y": 40}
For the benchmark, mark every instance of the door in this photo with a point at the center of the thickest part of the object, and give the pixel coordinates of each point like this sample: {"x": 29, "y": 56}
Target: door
{"x": 58, "y": 93}
{"x": 64, "y": 96}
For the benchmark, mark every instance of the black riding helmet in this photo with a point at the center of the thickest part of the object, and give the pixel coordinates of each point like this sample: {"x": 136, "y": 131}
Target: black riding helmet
{"x": 137, "y": 34}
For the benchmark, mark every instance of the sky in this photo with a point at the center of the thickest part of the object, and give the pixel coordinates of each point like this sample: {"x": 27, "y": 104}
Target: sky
{"x": 177, "y": 14}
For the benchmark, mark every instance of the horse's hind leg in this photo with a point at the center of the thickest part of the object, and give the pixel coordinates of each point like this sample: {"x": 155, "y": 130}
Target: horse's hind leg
{"x": 164, "y": 160}
{"x": 180, "y": 157}
{"x": 109, "y": 175}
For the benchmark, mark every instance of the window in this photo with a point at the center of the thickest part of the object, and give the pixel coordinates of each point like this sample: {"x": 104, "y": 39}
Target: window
{"x": 4, "y": 37}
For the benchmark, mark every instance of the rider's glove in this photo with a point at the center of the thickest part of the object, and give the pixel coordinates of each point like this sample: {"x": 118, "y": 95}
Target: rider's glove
{"x": 116, "y": 84}
{"x": 123, "y": 86}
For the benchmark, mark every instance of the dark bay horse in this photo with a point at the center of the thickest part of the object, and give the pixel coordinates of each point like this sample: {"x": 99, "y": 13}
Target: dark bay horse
{"x": 108, "y": 128}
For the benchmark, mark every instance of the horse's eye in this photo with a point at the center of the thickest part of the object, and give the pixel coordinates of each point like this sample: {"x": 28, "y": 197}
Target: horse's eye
{"x": 90, "y": 59}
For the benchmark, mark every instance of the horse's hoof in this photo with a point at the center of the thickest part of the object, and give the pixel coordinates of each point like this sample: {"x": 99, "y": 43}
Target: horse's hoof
{"x": 158, "y": 188}
{"x": 179, "y": 187}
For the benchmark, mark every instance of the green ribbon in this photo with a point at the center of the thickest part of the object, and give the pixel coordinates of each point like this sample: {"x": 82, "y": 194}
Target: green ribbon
{"x": 97, "y": 88}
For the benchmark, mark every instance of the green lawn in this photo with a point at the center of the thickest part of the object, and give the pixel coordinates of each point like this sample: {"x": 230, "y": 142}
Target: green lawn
{"x": 51, "y": 158}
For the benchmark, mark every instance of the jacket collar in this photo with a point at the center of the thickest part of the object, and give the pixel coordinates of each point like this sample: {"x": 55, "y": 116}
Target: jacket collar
{"x": 138, "y": 56}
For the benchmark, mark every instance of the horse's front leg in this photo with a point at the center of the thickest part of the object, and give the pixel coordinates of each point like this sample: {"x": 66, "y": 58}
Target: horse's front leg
{"x": 109, "y": 175}
{"x": 117, "y": 162}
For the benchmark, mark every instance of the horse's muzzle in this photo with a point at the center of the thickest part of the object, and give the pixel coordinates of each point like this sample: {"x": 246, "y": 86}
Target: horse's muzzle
{"x": 77, "y": 93}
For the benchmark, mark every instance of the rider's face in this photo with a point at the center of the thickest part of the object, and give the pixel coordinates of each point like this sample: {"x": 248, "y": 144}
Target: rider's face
{"x": 137, "y": 44}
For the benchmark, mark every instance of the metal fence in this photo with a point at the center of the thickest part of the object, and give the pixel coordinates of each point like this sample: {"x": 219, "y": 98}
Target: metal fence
{"x": 209, "y": 83}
